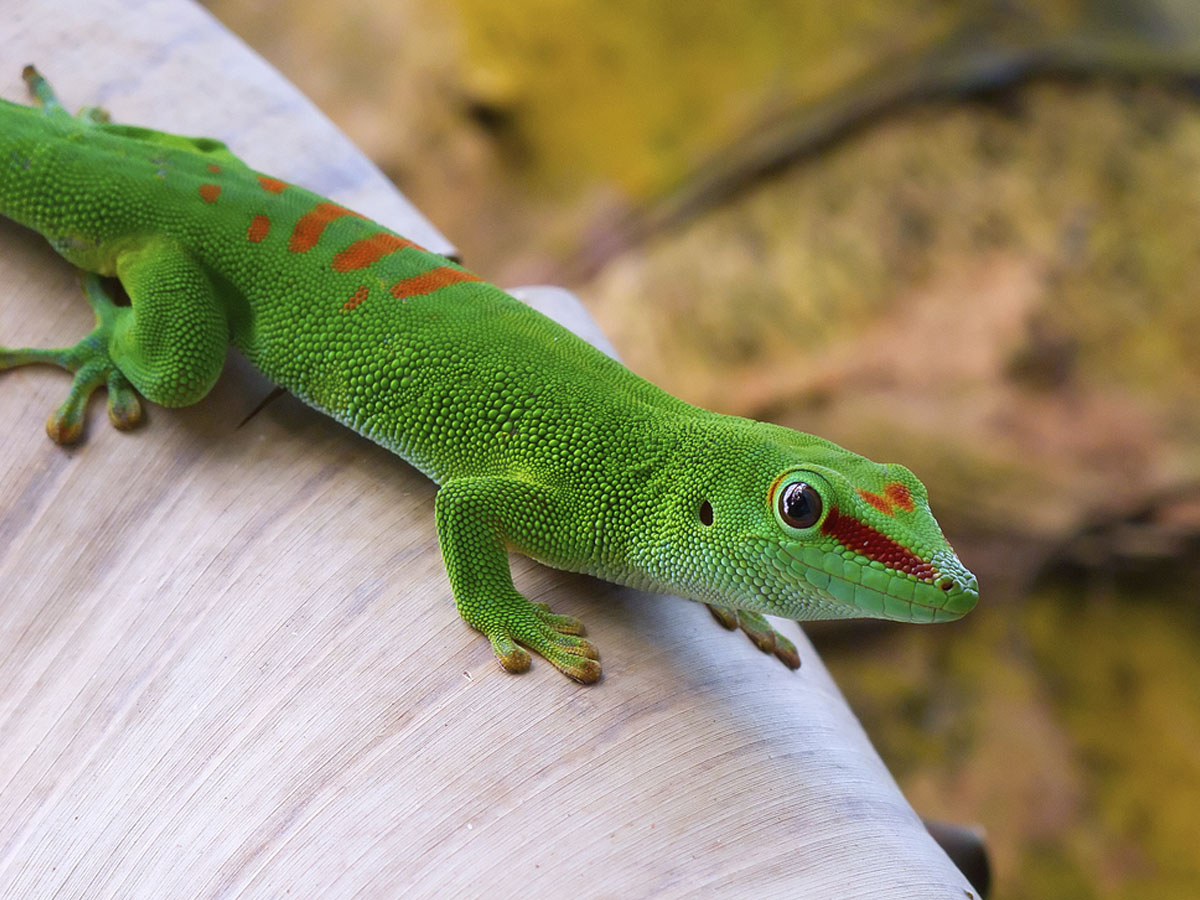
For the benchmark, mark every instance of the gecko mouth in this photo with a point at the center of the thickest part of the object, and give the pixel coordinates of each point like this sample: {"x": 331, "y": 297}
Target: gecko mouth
{"x": 858, "y": 586}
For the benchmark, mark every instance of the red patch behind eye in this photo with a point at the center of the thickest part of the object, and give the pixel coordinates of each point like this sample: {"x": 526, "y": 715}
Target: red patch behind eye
{"x": 862, "y": 538}
{"x": 210, "y": 192}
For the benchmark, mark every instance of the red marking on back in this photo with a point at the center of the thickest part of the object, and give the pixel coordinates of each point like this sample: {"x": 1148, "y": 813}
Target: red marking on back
{"x": 861, "y": 538}
{"x": 214, "y": 168}
{"x": 271, "y": 185}
{"x": 368, "y": 250}
{"x": 311, "y": 225}
{"x": 210, "y": 192}
{"x": 260, "y": 227}
{"x": 356, "y": 298}
{"x": 428, "y": 282}
{"x": 899, "y": 495}
{"x": 883, "y": 504}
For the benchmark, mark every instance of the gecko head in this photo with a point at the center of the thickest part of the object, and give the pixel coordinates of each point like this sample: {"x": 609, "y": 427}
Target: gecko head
{"x": 813, "y": 531}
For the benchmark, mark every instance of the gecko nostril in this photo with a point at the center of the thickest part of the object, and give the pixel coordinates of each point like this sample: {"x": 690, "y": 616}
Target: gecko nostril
{"x": 946, "y": 584}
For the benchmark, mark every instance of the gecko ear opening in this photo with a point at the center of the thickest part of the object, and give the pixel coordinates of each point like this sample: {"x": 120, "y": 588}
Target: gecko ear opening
{"x": 705, "y": 513}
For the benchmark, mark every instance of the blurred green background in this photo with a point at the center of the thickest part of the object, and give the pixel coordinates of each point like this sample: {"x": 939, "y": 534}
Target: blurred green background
{"x": 961, "y": 236}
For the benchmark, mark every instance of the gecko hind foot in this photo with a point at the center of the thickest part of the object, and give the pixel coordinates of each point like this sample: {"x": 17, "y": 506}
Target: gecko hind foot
{"x": 40, "y": 88}
{"x": 92, "y": 369}
{"x": 92, "y": 366}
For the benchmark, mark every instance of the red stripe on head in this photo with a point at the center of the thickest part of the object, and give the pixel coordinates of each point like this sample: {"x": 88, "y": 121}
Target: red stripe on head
{"x": 883, "y": 504}
{"x": 271, "y": 185}
{"x": 210, "y": 192}
{"x": 368, "y": 250}
{"x": 311, "y": 225}
{"x": 899, "y": 495}
{"x": 356, "y": 298}
{"x": 861, "y": 538}
{"x": 260, "y": 227}
{"x": 428, "y": 282}
{"x": 214, "y": 168}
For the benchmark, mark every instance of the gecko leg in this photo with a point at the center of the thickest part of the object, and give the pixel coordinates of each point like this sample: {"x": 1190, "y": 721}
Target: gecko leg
{"x": 168, "y": 345}
{"x": 477, "y": 519}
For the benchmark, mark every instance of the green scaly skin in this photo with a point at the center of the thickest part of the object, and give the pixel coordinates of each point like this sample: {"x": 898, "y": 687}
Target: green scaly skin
{"x": 540, "y": 443}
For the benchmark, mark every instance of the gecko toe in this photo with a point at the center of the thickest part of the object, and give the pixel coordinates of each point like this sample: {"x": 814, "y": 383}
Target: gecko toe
{"x": 786, "y": 652}
{"x": 124, "y": 407}
{"x": 511, "y": 657}
{"x": 585, "y": 671}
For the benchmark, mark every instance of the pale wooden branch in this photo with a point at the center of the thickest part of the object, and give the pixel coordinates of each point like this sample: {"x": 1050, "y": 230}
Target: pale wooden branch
{"x": 230, "y": 665}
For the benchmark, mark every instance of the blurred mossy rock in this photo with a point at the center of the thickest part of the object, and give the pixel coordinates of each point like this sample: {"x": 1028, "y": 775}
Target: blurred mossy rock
{"x": 995, "y": 291}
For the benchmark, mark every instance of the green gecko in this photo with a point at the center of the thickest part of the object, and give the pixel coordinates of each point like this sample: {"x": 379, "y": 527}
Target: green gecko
{"x": 540, "y": 443}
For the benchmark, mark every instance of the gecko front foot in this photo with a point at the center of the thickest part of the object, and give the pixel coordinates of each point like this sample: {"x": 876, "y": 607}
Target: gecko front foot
{"x": 760, "y": 631}
{"x": 516, "y": 624}
{"x": 92, "y": 366}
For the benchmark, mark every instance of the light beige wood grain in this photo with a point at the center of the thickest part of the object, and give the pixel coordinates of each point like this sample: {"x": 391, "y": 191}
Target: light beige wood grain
{"x": 229, "y": 661}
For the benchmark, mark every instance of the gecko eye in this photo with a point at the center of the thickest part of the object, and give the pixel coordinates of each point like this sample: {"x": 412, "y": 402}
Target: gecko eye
{"x": 799, "y": 505}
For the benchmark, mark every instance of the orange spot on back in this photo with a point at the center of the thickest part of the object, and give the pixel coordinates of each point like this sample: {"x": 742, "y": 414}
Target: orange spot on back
{"x": 271, "y": 185}
{"x": 260, "y": 227}
{"x": 428, "y": 282}
{"x": 899, "y": 495}
{"x": 883, "y": 504}
{"x": 363, "y": 252}
{"x": 210, "y": 192}
{"x": 311, "y": 225}
{"x": 356, "y": 298}
{"x": 214, "y": 168}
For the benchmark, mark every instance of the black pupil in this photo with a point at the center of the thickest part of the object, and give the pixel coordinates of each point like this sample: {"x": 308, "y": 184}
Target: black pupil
{"x": 800, "y": 505}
